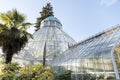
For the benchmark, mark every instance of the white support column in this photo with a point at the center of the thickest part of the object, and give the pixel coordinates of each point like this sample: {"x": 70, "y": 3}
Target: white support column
{"x": 94, "y": 65}
{"x": 103, "y": 64}
{"x": 115, "y": 66}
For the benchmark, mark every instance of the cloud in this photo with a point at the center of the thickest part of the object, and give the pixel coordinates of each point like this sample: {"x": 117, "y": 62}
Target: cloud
{"x": 108, "y": 2}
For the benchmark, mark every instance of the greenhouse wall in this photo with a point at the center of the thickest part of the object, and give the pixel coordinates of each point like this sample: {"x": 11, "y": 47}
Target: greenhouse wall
{"x": 97, "y": 56}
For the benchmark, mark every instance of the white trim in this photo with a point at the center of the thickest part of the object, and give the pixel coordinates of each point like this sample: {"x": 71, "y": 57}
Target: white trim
{"x": 114, "y": 65}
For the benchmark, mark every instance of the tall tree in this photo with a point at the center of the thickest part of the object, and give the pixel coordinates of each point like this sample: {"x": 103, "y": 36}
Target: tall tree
{"x": 46, "y": 12}
{"x": 13, "y": 34}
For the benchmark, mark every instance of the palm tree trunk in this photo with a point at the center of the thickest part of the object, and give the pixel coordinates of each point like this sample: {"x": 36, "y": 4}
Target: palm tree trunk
{"x": 8, "y": 57}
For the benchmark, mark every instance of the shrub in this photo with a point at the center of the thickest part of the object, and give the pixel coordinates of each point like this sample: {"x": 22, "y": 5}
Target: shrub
{"x": 63, "y": 76}
{"x": 86, "y": 76}
{"x": 8, "y": 71}
{"x": 36, "y": 72}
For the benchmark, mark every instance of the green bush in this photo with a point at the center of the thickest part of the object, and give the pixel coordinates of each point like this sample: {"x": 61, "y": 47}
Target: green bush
{"x": 8, "y": 71}
{"x": 100, "y": 77}
{"x": 36, "y": 72}
{"x": 86, "y": 76}
{"x": 63, "y": 76}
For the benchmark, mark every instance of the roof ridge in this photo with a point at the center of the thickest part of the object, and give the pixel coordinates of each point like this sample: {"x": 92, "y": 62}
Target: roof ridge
{"x": 97, "y": 35}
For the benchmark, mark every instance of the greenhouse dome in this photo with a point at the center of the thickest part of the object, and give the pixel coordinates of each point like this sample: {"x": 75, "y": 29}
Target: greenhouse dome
{"x": 50, "y": 38}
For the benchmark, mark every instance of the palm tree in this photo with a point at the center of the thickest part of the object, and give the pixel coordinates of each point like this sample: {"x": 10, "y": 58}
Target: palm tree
{"x": 13, "y": 34}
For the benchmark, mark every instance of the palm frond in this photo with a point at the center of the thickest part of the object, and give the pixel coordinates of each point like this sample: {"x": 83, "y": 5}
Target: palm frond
{"x": 26, "y": 34}
{"x": 6, "y": 20}
{"x": 24, "y": 26}
{"x": 3, "y": 28}
{"x": 16, "y": 17}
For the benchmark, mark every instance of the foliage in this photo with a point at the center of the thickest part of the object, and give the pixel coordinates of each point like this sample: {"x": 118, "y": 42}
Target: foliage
{"x": 13, "y": 34}
{"x": 86, "y": 76}
{"x": 36, "y": 72}
{"x": 46, "y": 12}
{"x": 8, "y": 71}
{"x": 100, "y": 77}
{"x": 63, "y": 76}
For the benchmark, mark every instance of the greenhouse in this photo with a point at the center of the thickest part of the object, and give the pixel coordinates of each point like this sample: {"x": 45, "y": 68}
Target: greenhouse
{"x": 97, "y": 55}
{"x": 50, "y": 39}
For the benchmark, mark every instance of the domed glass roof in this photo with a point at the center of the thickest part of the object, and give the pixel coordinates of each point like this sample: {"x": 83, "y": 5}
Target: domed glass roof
{"x": 50, "y": 38}
{"x": 51, "y": 18}
{"x": 51, "y": 21}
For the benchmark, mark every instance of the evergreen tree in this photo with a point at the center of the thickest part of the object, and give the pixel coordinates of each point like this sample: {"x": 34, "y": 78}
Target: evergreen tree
{"x": 46, "y": 12}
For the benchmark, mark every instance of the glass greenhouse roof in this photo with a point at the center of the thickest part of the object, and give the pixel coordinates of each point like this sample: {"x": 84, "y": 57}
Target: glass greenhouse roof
{"x": 94, "y": 55}
{"x": 51, "y": 21}
{"x": 49, "y": 37}
{"x": 51, "y": 18}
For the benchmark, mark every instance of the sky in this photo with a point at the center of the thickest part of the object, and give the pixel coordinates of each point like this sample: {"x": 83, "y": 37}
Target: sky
{"x": 80, "y": 18}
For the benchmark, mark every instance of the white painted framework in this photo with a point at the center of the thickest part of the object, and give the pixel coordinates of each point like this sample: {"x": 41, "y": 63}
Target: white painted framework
{"x": 94, "y": 55}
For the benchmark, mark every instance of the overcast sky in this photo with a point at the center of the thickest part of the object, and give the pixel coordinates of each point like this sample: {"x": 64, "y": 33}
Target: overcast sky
{"x": 80, "y": 18}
